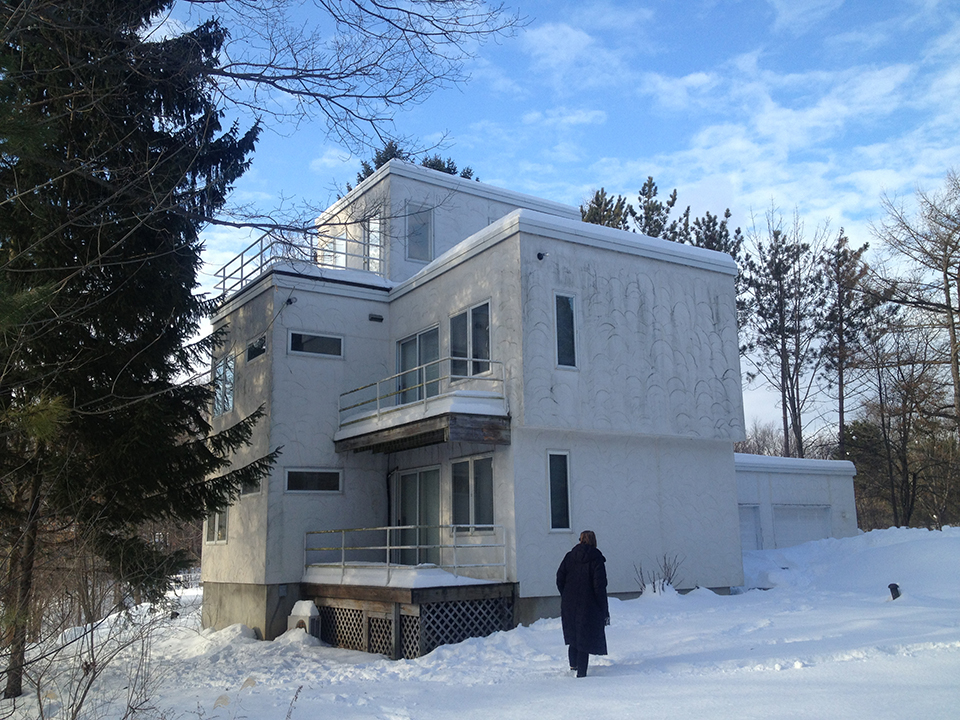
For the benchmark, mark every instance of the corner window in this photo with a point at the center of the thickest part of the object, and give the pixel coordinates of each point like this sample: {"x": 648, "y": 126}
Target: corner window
{"x": 308, "y": 344}
{"x": 223, "y": 375}
{"x": 420, "y": 235}
{"x": 566, "y": 331}
{"x": 308, "y": 480}
{"x": 470, "y": 341}
{"x": 217, "y": 527}
{"x": 557, "y": 467}
{"x": 472, "y": 484}
{"x": 257, "y": 348}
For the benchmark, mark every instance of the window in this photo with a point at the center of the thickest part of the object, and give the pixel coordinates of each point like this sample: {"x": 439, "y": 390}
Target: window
{"x": 313, "y": 481}
{"x": 257, "y": 348}
{"x": 373, "y": 245}
{"x": 418, "y": 367}
{"x": 470, "y": 340}
{"x": 559, "y": 491}
{"x": 473, "y": 491}
{"x": 420, "y": 235}
{"x": 566, "y": 332}
{"x": 223, "y": 373}
{"x": 333, "y": 252}
{"x": 251, "y": 487}
{"x": 217, "y": 527}
{"x": 316, "y": 344}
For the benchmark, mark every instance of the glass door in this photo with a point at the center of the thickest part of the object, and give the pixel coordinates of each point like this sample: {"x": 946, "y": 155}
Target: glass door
{"x": 418, "y": 367}
{"x": 418, "y": 505}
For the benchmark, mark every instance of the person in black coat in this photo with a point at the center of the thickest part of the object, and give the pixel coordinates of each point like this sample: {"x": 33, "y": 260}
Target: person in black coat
{"x": 582, "y": 582}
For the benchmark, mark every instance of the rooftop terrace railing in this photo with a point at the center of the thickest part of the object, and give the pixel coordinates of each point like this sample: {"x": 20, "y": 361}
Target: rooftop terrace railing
{"x": 316, "y": 250}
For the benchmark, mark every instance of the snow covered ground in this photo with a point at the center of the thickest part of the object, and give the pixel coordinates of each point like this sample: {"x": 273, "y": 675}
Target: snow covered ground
{"x": 826, "y": 641}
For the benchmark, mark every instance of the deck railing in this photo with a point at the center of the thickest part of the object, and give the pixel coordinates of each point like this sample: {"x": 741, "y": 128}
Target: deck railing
{"x": 421, "y": 385}
{"x": 454, "y": 548}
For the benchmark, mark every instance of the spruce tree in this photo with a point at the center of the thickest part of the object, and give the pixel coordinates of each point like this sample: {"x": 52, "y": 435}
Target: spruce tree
{"x": 112, "y": 158}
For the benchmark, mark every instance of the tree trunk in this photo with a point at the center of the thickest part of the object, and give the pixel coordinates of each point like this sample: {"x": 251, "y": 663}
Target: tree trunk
{"x": 24, "y": 585}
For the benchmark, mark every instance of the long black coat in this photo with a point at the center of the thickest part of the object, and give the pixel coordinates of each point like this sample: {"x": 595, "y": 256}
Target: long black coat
{"x": 582, "y": 582}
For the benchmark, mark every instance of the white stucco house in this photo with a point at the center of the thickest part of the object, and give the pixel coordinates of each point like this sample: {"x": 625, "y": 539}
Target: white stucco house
{"x": 462, "y": 378}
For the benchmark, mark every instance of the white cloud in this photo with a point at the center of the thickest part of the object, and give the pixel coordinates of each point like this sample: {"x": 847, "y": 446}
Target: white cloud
{"x": 798, "y": 16}
{"x": 565, "y": 117}
{"x": 331, "y": 158}
{"x": 573, "y": 59}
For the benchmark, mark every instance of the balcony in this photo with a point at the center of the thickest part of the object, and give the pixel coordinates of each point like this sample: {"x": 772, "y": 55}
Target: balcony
{"x": 433, "y": 403}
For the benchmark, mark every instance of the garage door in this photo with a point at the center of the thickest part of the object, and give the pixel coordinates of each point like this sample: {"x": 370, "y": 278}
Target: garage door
{"x": 795, "y": 524}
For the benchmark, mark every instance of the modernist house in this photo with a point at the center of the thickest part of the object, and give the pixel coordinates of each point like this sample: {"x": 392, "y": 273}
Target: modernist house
{"x": 462, "y": 378}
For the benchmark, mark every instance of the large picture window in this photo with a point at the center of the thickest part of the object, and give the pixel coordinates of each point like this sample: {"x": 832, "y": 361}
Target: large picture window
{"x": 566, "y": 331}
{"x": 470, "y": 341}
{"x": 223, "y": 381}
{"x": 473, "y": 491}
{"x": 558, "y": 468}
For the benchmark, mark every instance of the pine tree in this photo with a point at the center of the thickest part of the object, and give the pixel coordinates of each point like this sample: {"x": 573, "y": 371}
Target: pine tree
{"x": 845, "y": 318}
{"x": 606, "y": 210}
{"x": 112, "y": 158}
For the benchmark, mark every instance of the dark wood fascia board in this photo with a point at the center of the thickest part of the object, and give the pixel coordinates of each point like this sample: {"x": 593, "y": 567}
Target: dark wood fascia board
{"x": 408, "y": 596}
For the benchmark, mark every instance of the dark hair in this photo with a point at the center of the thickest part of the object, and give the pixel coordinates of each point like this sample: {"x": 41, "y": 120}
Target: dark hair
{"x": 588, "y": 537}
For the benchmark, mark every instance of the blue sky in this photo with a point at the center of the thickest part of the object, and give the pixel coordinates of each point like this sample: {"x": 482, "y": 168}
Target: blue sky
{"x": 818, "y": 106}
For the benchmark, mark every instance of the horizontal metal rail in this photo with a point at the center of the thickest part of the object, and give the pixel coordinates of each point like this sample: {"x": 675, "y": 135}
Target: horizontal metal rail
{"x": 453, "y": 554}
{"x": 430, "y": 381}
{"x": 320, "y": 251}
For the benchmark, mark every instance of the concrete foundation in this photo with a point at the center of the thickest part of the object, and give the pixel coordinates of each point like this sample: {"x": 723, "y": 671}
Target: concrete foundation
{"x": 264, "y": 608}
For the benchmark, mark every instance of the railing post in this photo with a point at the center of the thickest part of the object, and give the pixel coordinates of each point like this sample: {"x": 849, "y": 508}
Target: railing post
{"x": 456, "y": 565}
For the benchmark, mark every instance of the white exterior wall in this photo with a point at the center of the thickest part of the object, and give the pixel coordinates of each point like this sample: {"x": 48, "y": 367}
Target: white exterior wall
{"x": 768, "y": 482}
{"x": 649, "y": 415}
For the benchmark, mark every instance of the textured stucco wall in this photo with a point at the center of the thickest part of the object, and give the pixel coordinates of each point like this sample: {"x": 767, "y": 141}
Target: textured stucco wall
{"x": 242, "y": 558}
{"x": 657, "y": 345}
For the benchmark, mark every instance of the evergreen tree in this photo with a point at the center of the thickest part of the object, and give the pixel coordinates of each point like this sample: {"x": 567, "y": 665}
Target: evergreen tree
{"x": 653, "y": 216}
{"x": 112, "y": 158}
{"x": 785, "y": 285}
{"x": 845, "y": 317}
{"x": 712, "y": 233}
{"x": 606, "y": 210}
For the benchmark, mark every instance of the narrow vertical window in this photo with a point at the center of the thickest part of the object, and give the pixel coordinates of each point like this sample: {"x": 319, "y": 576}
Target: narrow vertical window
{"x": 373, "y": 245}
{"x": 470, "y": 341}
{"x": 223, "y": 374}
{"x": 472, "y": 485}
{"x": 566, "y": 332}
{"x": 559, "y": 491}
{"x": 420, "y": 235}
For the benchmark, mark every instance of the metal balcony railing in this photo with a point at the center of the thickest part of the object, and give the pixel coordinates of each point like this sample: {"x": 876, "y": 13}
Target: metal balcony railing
{"x": 316, "y": 250}
{"x": 431, "y": 381}
{"x": 469, "y": 550}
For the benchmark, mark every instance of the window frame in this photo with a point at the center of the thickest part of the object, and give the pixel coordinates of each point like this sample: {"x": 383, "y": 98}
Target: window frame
{"x": 216, "y": 523}
{"x": 224, "y": 389}
{"x": 574, "y": 330}
{"x": 550, "y": 494}
{"x": 337, "y": 471}
{"x": 473, "y": 526}
{"x": 413, "y": 211}
{"x": 258, "y": 343}
{"x": 313, "y": 333}
{"x": 473, "y": 365}
{"x": 371, "y": 262}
